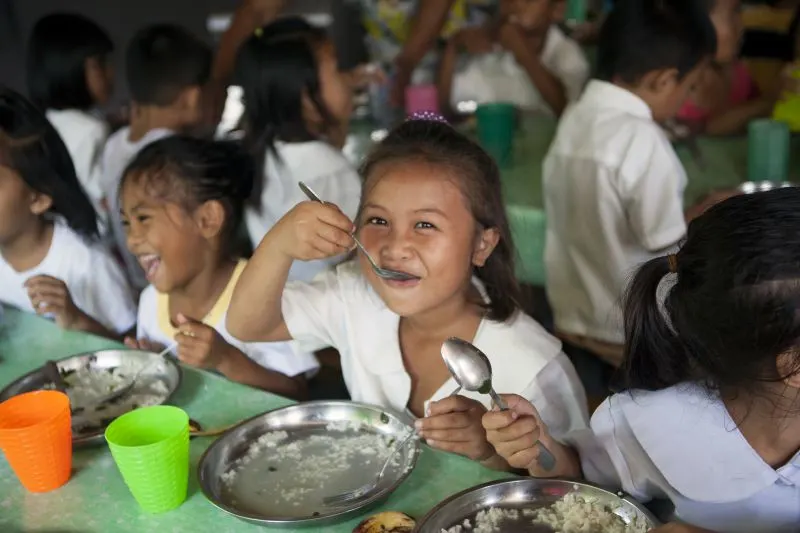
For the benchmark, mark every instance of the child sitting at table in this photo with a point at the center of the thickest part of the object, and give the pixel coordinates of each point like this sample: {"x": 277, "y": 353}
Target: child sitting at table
{"x": 432, "y": 208}
{"x": 298, "y": 107}
{"x": 524, "y": 59}
{"x": 725, "y": 99}
{"x": 182, "y": 201}
{"x": 166, "y": 69}
{"x": 707, "y": 415}
{"x": 50, "y": 262}
{"x": 613, "y": 185}
{"x": 69, "y": 76}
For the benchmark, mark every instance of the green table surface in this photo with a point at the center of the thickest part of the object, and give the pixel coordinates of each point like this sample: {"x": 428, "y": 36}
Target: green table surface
{"x": 724, "y": 161}
{"x": 96, "y": 499}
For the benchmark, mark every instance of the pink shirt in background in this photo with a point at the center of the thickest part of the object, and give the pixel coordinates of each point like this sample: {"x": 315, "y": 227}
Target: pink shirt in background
{"x": 743, "y": 89}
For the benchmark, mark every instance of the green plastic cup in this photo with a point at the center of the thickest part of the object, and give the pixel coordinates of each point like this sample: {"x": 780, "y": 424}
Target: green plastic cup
{"x": 768, "y": 143}
{"x": 496, "y": 124}
{"x": 151, "y": 448}
{"x": 576, "y": 12}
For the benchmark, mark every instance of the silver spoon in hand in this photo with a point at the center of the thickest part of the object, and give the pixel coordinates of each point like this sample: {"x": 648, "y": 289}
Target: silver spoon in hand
{"x": 384, "y": 273}
{"x": 473, "y": 372}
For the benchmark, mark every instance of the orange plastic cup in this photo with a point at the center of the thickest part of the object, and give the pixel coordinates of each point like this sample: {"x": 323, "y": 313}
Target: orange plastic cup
{"x": 36, "y": 438}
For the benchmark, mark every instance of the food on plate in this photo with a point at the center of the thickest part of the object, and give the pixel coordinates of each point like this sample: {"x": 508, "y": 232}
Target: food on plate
{"x": 386, "y": 522}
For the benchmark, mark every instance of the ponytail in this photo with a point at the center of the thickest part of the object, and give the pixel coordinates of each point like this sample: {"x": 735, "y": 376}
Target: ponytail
{"x": 654, "y": 356}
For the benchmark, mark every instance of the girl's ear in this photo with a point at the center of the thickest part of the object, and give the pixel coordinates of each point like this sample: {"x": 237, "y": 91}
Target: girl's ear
{"x": 210, "y": 218}
{"x": 40, "y": 203}
{"x": 485, "y": 243}
{"x": 787, "y": 366}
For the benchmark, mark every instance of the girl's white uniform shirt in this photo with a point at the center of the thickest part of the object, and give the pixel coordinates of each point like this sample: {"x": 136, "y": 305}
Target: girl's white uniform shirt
{"x": 95, "y": 280}
{"x": 497, "y": 77}
{"x": 340, "y": 309}
{"x": 680, "y": 443}
{"x": 84, "y": 136}
{"x": 154, "y": 324}
{"x": 320, "y": 166}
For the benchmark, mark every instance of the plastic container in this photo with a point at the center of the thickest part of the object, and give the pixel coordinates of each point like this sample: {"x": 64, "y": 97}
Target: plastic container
{"x": 151, "y": 448}
{"x": 36, "y": 438}
{"x": 768, "y": 144}
{"x": 496, "y": 125}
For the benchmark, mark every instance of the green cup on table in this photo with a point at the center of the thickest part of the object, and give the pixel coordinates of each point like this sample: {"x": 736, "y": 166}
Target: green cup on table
{"x": 151, "y": 448}
{"x": 768, "y": 143}
{"x": 496, "y": 124}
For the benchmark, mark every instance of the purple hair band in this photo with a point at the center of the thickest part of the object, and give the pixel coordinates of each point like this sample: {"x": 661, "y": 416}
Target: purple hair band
{"x": 427, "y": 115}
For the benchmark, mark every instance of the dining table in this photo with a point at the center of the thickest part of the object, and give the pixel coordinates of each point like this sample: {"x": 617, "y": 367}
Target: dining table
{"x": 96, "y": 500}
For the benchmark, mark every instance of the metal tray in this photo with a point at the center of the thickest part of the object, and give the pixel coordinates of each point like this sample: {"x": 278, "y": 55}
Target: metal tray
{"x": 307, "y": 463}
{"x": 525, "y": 493}
{"x": 154, "y": 387}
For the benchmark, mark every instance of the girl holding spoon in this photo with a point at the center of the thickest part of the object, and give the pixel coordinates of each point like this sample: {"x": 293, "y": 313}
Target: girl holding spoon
{"x": 431, "y": 208}
{"x": 182, "y": 200}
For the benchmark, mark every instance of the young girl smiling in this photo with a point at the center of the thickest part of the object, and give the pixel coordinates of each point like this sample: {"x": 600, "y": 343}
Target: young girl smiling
{"x": 432, "y": 207}
{"x": 182, "y": 200}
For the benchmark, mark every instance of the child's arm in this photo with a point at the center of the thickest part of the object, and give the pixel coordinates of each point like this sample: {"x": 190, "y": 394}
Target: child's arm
{"x": 735, "y": 120}
{"x": 549, "y": 86}
{"x": 514, "y": 434}
{"x": 202, "y": 346}
{"x": 50, "y": 295}
{"x": 309, "y": 231}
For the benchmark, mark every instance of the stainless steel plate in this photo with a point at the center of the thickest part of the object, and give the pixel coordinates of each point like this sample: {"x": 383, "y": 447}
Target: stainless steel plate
{"x": 154, "y": 387}
{"x": 307, "y": 452}
{"x": 525, "y": 493}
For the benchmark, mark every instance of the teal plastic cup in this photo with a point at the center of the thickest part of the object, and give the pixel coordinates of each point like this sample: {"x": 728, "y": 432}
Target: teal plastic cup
{"x": 151, "y": 448}
{"x": 496, "y": 125}
{"x": 768, "y": 150}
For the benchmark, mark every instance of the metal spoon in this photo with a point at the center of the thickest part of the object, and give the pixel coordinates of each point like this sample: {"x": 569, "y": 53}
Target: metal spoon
{"x": 125, "y": 389}
{"x": 384, "y": 273}
{"x": 473, "y": 372}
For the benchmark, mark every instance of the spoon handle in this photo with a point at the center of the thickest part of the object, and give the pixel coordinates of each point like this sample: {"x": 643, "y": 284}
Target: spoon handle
{"x": 545, "y": 458}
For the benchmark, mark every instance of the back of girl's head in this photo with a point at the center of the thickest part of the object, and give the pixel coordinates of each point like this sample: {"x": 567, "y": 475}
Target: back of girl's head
{"x": 58, "y": 49}
{"x": 734, "y": 307}
{"x": 189, "y": 172}
{"x": 276, "y": 68}
{"x": 639, "y": 37}
{"x": 33, "y": 149}
{"x": 478, "y": 178}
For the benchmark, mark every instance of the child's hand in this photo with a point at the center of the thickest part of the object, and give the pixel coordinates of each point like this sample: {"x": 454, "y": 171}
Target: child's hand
{"x": 674, "y": 527}
{"x": 454, "y": 425}
{"x": 144, "y": 344}
{"x": 473, "y": 41}
{"x": 365, "y": 74}
{"x": 312, "y": 230}
{"x": 513, "y": 39}
{"x": 50, "y": 295}
{"x": 200, "y": 345}
{"x": 515, "y": 432}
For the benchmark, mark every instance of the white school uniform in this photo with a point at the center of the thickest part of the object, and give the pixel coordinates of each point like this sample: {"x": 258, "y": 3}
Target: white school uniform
{"x": 680, "y": 443}
{"x": 340, "y": 309}
{"x": 497, "y": 77}
{"x": 154, "y": 324}
{"x": 613, "y": 190}
{"x": 95, "y": 281}
{"x": 320, "y": 166}
{"x": 118, "y": 153}
{"x": 84, "y": 136}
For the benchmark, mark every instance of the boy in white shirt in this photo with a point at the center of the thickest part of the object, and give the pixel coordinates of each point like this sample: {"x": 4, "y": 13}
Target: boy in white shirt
{"x": 166, "y": 69}
{"x": 613, "y": 185}
{"x": 525, "y": 60}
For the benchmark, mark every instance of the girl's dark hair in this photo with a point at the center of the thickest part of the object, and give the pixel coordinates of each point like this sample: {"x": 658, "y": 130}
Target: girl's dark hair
{"x": 276, "y": 67}
{"x": 58, "y": 48}
{"x": 735, "y": 304}
{"x": 191, "y": 171}
{"x": 435, "y": 142}
{"x": 31, "y": 147}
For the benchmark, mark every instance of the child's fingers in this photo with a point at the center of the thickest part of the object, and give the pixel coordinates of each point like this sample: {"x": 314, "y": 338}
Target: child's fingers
{"x": 333, "y": 216}
{"x": 448, "y": 435}
{"x": 130, "y": 342}
{"x": 340, "y": 239}
{"x": 459, "y": 448}
{"x": 493, "y": 420}
{"x": 450, "y": 404}
{"x": 519, "y": 429}
{"x": 453, "y": 420}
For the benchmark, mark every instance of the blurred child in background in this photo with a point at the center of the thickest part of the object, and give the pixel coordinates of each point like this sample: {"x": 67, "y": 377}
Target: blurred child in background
{"x": 524, "y": 59}
{"x": 166, "y": 70}
{"x": 297, "y": 111}
{"x": 50, "y": 260}
{"x": 70, "y": 76}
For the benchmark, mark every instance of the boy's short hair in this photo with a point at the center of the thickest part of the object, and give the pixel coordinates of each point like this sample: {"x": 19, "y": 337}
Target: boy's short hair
{"x": 640, "y": 36}
{"x": 163, "y": 60}
{"x": 58, "y": 48}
